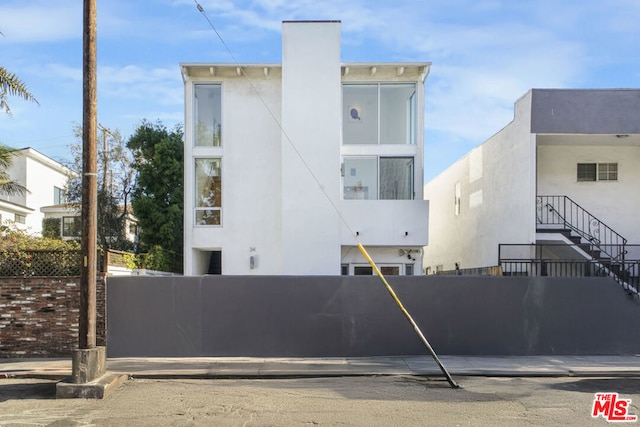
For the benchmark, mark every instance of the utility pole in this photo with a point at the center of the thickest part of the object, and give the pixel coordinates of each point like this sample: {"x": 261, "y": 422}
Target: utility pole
{"x": 88, "y": 363}
{"x": 87, "y": 321}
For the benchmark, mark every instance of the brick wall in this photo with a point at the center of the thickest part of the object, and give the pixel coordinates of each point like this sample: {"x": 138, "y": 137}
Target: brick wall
{"x": 39, "y": 315}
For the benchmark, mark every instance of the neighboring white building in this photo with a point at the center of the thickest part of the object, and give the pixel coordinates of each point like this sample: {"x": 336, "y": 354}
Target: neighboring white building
{"x": 253, "y": 132}
{"x": 69, "y": 215}
{"x": 568, "y": 161}
{"x": 45, "y": 180}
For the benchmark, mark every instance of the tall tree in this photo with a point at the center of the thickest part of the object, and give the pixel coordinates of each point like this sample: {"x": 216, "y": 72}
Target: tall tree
{"x": 8, "y": 186}
{"x": 157, "y": 197}
{"x": 11, "y": 85}
{"x": 115, "y": 184}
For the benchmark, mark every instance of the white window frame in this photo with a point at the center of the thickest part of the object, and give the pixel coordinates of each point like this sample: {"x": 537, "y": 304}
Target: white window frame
{"x": 600, "y": 174}
{"x": 195, "y": 116}
{"x": 412, "y": 120}
{"x": 197, "y": 208}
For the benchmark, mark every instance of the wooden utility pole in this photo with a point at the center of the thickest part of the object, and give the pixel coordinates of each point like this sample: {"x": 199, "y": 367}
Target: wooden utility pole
{"x": 87, "y": 321}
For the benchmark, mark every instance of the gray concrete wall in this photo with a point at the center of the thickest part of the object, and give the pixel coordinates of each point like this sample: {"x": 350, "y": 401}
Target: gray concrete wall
{"x": 585, "y": 111}
{"x": 288, "y": 316}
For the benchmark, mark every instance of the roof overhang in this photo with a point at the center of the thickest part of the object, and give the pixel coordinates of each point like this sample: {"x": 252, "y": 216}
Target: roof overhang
{"x": 359, "y": 69}
{"x": 15, "y": 208}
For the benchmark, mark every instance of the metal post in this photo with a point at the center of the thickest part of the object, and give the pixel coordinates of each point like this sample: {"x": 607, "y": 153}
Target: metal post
{"x": 87, "y": 321}
{"x": 417, "y": 330}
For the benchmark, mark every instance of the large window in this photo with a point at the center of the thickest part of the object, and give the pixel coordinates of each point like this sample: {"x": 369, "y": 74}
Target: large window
{"x": 208, "y": 115}
{"x": 208, "y": 203}
{"x": 380, "y": 113}
{"x": 71, "y": 226}
{"x": 597, "y": 171}
{"x": 384, "y": 178}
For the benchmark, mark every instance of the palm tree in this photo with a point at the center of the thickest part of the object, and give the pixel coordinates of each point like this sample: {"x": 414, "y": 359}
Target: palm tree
{"x": 11, "y": 85}
{"x": 7, "y": 185}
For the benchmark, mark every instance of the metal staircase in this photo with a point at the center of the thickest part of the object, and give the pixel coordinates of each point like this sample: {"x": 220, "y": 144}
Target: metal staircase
{"x": 563, "y": 215}
{"x": 605, "y": 248}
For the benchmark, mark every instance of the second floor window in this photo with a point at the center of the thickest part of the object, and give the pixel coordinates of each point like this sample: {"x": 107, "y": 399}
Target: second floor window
{"x": 597, "y": 172}
{"x": 58, "y": 196}
{"x": 207, "y": 113}
{"x": 208, "y": 203}
{"x": 384, "y": 178}
{"x": 379, "y": 113}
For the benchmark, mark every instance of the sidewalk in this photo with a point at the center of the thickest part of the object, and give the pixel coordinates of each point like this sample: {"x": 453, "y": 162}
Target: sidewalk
{"x": 253, "y": 367}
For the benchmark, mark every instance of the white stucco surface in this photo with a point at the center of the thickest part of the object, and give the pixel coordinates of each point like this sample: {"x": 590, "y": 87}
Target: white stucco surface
{"x": 497, "y": 199}
{"x": 282, "y": 155}
{"x": 613, "y": 202}
{"x": 311, "y": 118}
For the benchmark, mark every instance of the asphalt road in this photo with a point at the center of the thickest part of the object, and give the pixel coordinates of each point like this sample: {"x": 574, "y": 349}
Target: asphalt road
{"x": 341, "y": 401}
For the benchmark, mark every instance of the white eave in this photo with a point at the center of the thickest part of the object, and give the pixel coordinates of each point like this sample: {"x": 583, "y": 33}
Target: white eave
{"x": 370, "y": 69}
{"x": 387, "y": 69}
{"x": 46, "y": 160}
{"x": 67, "y": 208}
{"x": 8, "y": 206}
{"x": 209, "y": 70}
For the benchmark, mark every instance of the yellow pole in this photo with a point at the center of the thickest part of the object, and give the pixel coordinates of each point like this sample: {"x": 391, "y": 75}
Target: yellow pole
{"x": 408, "y": 316}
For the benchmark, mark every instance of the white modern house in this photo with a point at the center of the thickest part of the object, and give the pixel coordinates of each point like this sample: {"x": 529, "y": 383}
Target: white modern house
{"x": 288, "y": 166}
{"x": 560, "y": 182}
{"x": 45, "y": 180}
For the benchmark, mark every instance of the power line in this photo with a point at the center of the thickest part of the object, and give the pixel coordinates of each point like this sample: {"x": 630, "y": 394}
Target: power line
{"x": 335, "y": 208}
{"x": 275, "y": 119}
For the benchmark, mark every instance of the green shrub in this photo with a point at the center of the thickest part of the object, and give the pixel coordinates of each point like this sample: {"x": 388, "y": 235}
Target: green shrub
{"x": 51, "y": 228}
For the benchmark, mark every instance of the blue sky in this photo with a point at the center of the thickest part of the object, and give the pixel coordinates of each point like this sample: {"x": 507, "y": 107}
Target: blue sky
{"x": 485, "y": 55}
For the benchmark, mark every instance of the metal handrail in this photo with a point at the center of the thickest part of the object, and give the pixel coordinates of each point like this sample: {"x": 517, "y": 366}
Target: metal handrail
{"x": 553, "y": 260}
{"x": 563, "y": 211}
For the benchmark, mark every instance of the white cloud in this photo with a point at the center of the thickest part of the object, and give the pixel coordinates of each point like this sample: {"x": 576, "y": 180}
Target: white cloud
{"x": 60, "y": 72}
{"x": 40, "y": 21}
{"x": 160, "y": 86}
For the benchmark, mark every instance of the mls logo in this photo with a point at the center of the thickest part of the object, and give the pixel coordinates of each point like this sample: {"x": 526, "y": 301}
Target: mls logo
{"x": 612, "y": 408}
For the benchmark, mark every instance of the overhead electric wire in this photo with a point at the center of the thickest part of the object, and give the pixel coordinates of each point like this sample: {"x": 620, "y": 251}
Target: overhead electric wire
{"x": 335, "y": 208}
{"x": 277, "y": 122}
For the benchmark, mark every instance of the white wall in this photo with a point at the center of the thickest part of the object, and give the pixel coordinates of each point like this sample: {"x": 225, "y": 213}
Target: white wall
{"x": 615, "y": 203}
{"x": 385, "y": 222}
{"x": 273, "y": 208}
{"x": 250, "y": 155}
{"x": 311, "y": 118}
{"x": 497, "y": 182}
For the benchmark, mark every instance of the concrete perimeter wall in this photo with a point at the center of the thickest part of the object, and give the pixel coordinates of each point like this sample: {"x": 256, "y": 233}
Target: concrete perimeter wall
{"x": 288, "y": 316}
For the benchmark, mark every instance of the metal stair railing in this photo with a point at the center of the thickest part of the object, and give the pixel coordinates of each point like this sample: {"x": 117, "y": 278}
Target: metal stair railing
{"x": 563, "y": 213}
